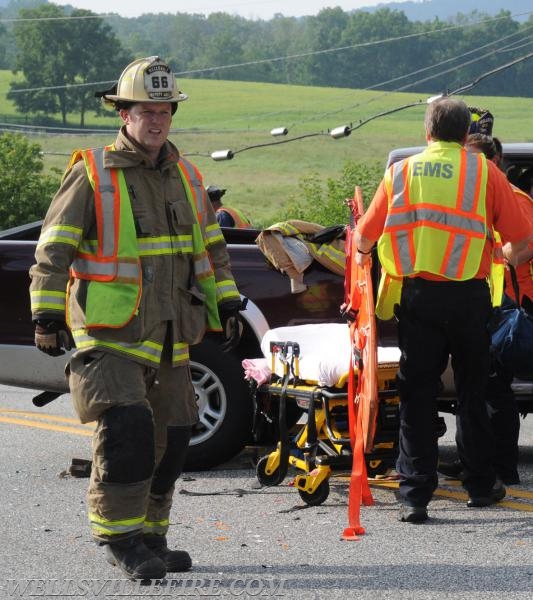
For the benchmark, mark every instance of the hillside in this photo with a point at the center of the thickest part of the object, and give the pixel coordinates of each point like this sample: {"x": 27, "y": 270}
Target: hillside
{"x": 261, "y": 178}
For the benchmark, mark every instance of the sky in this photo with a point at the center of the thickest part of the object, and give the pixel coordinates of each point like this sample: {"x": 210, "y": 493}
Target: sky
{"x": 248, "y": 9}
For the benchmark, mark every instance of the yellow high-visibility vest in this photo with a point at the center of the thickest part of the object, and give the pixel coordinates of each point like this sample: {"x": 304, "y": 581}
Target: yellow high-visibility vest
{"x": 436, "y": 221}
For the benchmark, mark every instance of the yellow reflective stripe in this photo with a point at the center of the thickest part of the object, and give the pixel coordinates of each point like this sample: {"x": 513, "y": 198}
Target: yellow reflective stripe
{"x": 335, "y": 255}
{"x": 180, "y": 353}
{"x": 285, "y": 228}
{"x": 226, "y": 289}
{"x": 213, "y": 235}
{"x": 156, "y": 527}
{"x": 61, "y": 234}
{"x": 103, "y": 526}
{"x": 151, "y": 246}
{"x": 168, "y": 244}
{"x": 146, "y": 350}
{"x": 41, "y": 299}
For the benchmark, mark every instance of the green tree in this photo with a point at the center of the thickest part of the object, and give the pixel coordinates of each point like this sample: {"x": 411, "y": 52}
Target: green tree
{"x": 324, "y": 202}
{"x": 58, "y": 56}
{"x": 25, "y": 192}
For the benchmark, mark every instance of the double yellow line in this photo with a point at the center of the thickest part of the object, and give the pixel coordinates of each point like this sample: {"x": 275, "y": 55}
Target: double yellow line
{"x": 442, "y": 492}
{"x": 44, "y": 421}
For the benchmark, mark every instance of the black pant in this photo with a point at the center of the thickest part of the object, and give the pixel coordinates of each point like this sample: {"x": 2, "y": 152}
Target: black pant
{"x": 438, "y": 320}
{"x": 505, "y": 422}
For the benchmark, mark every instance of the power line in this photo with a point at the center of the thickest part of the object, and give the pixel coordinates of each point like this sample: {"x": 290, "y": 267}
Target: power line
{"x": 287, "y": 57}
{"x": 38, "y": 19}
{"x": 336, "y": 133}
{"x": 422, "y": 70}
{"x": 346, "y": 130}
{"x": 350, "y": 47}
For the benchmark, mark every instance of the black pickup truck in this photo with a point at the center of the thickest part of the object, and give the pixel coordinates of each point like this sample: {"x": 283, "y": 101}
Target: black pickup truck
{"x": 225, "y": 403}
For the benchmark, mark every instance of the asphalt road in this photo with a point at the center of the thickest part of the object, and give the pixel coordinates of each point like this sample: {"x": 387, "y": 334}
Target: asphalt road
{"x": 247, "y": 541}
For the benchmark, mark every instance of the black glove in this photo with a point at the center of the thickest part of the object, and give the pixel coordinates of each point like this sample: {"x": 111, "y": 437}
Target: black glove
{"x": 232, "y": 323}
{"x": 52, "y": 336}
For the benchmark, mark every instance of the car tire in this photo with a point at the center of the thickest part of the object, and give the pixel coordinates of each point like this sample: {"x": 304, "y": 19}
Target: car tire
{"x": 225, "y": 407}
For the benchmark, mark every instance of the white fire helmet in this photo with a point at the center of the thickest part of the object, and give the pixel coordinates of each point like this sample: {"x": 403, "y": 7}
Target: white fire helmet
{"x": 145, "y": 80}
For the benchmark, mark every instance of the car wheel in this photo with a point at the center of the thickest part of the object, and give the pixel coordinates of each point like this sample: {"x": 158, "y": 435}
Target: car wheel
{"x": 225, "y": 407}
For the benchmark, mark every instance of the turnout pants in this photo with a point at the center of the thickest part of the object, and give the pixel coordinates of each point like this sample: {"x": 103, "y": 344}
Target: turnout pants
{"x": 438, "y": 320}
{"x": 143, "y": 427}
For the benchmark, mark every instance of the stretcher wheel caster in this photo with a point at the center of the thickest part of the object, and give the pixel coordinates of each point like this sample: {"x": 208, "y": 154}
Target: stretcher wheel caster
{"x": 318, "y": 496}
{"x": 264, "y": 478}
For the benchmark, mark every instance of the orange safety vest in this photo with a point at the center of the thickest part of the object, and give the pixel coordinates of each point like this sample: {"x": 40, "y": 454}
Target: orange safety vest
{"x": 241, "y": 221}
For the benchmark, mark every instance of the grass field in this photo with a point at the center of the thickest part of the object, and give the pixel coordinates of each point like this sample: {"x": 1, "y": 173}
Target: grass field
{"x": 235, "y": 115}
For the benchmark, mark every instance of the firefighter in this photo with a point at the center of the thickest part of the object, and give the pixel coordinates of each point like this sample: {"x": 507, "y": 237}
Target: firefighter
{"x": 132, "y": 263}
{"x": 432, "y": 217}
{"x": 227, "y": 217}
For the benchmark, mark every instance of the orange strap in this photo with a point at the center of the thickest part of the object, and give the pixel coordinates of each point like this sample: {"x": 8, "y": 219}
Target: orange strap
{"x": 362, "y": 395}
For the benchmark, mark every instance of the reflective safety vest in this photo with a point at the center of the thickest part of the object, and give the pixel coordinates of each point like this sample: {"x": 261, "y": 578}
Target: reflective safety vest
{"x": 240, "y": 219}
{"x": 112, "y": 265}
{"x": 430, "y": 229}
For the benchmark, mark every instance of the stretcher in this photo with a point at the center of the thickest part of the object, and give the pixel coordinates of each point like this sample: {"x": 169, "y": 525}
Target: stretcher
{"x": 351, "y": 419}
{"x": 309, "y": 366}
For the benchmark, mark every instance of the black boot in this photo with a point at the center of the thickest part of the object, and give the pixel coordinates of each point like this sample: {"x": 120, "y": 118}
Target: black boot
{"x": 135, "y": 559}
{"x": 176, "y": 561}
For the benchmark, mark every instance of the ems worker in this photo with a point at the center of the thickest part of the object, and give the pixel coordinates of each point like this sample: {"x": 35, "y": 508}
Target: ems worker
{"x": 432, "y": 217}
{"x": 132, "y": 261}
{"x": 226, "y": 216}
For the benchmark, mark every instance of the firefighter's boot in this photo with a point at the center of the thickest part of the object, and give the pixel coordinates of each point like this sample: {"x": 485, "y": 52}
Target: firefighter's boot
{"x": 134, "y": 559}
{"x": 176, "y": 561}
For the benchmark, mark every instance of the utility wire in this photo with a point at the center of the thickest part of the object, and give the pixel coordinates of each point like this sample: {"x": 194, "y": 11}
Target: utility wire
{"x": 350, "y": 47}
{"x": 347, "y": 130}
{"x": 419, "y": 71}
{"x": 287, "y": 57}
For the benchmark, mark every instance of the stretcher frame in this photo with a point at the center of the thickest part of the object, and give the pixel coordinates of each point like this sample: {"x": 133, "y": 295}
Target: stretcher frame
{"x": 321, "y": 446}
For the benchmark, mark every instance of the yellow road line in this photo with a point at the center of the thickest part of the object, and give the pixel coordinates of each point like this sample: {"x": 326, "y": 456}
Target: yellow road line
{"x": 49, "y": 422}
{"x": 39, "y": 416}
{"x": 510, "y": 491}
{"x": 444, "y": 493}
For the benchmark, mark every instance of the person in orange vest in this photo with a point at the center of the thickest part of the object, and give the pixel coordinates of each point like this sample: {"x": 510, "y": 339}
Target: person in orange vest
{"x": 132, "y": 262}
{"x": 432, "y": 217}
{"x": 227, "y": 217}
{"x": 501, "y": 403}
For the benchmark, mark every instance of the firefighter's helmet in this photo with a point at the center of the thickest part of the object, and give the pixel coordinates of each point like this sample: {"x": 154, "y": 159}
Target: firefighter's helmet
{"x": 482, "y": 121}
{"x": 144, "y": 80}
{"x": 214, "y": 192}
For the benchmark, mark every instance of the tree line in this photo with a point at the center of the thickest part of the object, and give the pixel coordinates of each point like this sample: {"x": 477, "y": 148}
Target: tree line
{"x": 61, "y": 62}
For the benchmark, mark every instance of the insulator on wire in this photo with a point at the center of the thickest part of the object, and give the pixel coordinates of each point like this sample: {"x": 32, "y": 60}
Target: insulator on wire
{"x": 433, "y": 98}
{"x": 279, "y": 131}
{"x": 222, "y": 155}
{"x": 340, "y": 132}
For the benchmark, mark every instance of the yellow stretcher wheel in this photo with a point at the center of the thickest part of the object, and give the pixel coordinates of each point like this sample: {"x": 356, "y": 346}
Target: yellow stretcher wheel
{"x": 318, "y": 496}
{"x": 264, "y": 478}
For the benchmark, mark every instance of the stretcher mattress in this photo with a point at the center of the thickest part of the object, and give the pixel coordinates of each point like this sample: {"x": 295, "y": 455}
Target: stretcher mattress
{"x": 325, "y": 351}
